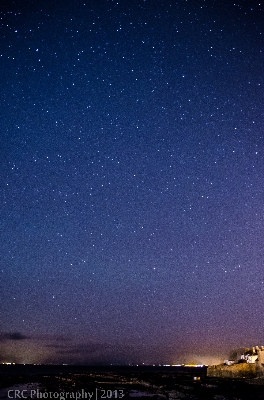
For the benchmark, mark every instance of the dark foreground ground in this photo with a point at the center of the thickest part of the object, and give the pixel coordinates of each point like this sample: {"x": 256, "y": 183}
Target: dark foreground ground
{"x": 99, "y": 383}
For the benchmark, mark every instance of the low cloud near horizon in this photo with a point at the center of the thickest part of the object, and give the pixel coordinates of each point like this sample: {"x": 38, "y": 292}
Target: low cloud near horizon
{"x": 17, "y": 347}
{"x": 20, "y": 348}
{"x": 13, "y": 336}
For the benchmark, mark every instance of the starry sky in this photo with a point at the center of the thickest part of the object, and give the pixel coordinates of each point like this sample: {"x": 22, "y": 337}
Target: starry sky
{"x": 132, "y": 180}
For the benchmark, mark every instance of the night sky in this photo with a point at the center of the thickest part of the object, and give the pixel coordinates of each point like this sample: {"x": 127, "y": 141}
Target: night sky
{"x": 132, "y": 180}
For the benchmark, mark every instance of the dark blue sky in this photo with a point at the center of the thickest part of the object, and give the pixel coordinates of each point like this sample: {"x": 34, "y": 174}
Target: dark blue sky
{"x": 132, "y": 172}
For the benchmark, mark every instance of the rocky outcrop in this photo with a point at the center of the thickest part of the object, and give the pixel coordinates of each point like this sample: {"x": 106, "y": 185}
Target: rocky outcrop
{"x": 241, "y": 370}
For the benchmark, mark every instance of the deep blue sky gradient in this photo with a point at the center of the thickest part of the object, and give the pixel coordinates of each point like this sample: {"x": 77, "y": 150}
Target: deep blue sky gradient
{"x": 132, "y": 180}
